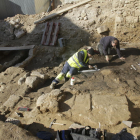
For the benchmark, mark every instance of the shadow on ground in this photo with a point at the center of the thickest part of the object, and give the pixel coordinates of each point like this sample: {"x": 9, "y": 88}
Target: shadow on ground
{"x": 34, "y": 128}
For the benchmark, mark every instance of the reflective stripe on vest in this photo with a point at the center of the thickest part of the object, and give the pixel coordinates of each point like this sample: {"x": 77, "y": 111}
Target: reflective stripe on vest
{"x": 74, "y": 62}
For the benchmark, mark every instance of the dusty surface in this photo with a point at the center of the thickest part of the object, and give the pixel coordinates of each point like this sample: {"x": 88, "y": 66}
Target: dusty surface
{"x": 108, "y": 96}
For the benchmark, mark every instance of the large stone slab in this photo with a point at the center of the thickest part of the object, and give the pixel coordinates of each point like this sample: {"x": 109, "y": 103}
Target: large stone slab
{"x": 12, "y": 101}
{"x": 82, "y": 103}
{"x": 137, "y": 13}
{"x": 110, "y": 109}
{"x": 49, "y": 101}
{"x": 129, "y": 19}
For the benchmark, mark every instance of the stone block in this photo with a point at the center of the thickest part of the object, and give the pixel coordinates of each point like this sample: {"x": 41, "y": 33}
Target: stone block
{"x": 82, "y": 104}
{"x": 32, "y": 81}
{"x": 12, "y": 22}
{"x": 19, "y": 33}
{"x": 111, "y": 109}
{"x": 129, "y": 19}
{"x": 21, "y": 81}
{"x": 49, "y": 101}
{"x": 136, "y": 19}
{"x": 17, "y": 20}
{"x": 137, "y": 13}
{"x": 17, "y": 26}
{"x": 102, "y": 29}
{"x": 83, "y": 13}
{"x": 125, "y": 13}
{"x": 119, "y": 19}
{"x": 130, "y": 5}
{"x": 38, "y": 74}
{"x": 12, "y": 101}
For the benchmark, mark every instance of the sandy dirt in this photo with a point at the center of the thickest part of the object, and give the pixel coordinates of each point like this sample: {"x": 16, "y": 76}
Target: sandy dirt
{"x": 116, "y": 79}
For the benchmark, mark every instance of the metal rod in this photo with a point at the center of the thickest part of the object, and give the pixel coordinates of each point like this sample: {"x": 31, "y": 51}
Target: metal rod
{"x": 89, "y": 70}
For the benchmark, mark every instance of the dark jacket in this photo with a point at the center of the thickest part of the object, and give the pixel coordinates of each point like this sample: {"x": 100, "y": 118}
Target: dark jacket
{"x": 81, "y": 59}
{"x": 106, "y": 42}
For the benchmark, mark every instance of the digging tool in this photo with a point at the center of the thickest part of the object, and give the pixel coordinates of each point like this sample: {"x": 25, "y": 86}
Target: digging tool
{"x": 89, "y": 70}
{"x": 53, "y": 122}
{"x": 133, "y": 67}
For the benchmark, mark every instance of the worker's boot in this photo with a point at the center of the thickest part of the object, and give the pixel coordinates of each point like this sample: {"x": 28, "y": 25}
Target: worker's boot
{"x": 53, "y": 84}
{"x": 66, "y": 79}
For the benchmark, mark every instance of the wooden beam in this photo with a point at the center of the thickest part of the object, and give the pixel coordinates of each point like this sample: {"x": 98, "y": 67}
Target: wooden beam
{"x": 16, "y": 48}
{"x": 61, "y": 11}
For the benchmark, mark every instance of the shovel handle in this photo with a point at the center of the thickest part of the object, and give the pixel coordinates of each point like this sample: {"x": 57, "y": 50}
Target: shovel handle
{"x": 59, "y": 123}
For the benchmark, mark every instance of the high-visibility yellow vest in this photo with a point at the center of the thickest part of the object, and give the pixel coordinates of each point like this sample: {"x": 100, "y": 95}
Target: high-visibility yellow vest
{"x": 74, "y": 62}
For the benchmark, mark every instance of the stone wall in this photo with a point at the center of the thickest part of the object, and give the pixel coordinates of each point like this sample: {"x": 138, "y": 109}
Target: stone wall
{"x": 127, "y": 19}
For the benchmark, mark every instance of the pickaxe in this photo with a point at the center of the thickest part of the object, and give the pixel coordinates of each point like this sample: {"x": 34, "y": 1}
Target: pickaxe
{"x": 53, "y": 122}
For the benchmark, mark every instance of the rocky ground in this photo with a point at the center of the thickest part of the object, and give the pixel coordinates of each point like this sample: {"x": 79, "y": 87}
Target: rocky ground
{"x": 108, "y": 96}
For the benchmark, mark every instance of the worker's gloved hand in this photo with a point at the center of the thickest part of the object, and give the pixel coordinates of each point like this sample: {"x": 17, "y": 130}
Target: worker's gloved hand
{"x": 122, "y": 58}
{"x": 90, "y": 67}
{"x": 107, "y": 58}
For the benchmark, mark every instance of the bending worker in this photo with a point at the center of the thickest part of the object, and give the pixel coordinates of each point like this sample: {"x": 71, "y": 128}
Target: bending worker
{"x": 78, "y": 60}
{"x": 107, "y": 45}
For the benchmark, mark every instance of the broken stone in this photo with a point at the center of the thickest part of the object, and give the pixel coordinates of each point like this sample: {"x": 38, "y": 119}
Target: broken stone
{"x": 81, "y": 18}
{"x": 87, "y": 5}
{"x": 2, "y": 87}
{"x": 21, "y": 80}
{"x": 26, "y": 75}
{"x": 13, "y": 121}
{"x": 42, "y": 76}
{"x": 78, "y": 18}
{"x": 92, "y": 22}
{"x": 102, "y": 29}
{"x": 19, "y": 33}
{"x": 12, "y": 22}
{"x": 17, "y": 26}
{"x": 32, "y": 81}
{"x": 83, "y": 13}
{"x": 17, "y": 20}
{"x": 49, "y": 101}
{"x": 75, "y": 126}
{"x": 85, "y": 18}
{"x": 12, "y": 101}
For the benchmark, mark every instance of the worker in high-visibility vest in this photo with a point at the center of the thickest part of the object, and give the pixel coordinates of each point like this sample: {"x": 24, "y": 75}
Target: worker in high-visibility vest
{"x": 78, "y": 60}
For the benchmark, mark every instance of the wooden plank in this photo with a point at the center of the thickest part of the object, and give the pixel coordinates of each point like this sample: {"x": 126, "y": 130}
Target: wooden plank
{"x": 44, "y": 33}
{"x": 48, "y": 39}
{"x": 61, "y": 11}
{"x": 17, "y": 48}
{"x": 55, "y": 34}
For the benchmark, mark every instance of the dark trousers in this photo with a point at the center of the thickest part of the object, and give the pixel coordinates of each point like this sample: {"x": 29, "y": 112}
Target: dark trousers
{"x": 67, "y": 68}
{"x": 67, "y": 72}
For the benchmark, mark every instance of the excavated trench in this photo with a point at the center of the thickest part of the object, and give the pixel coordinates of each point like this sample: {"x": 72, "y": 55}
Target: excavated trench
{"x": 12, "y": 58}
